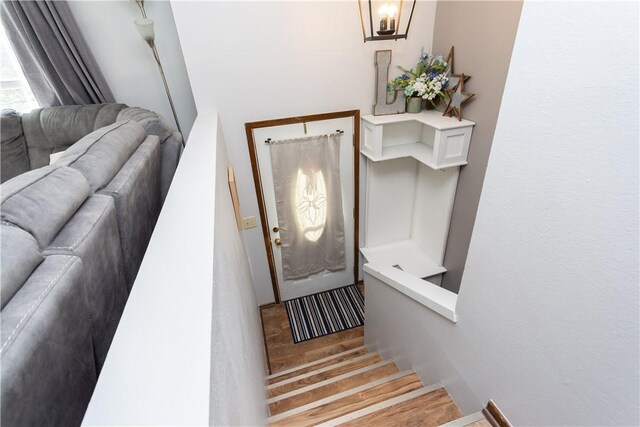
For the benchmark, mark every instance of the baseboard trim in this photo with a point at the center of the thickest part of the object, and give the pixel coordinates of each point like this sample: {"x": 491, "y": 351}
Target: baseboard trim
{"x": 267, "y": 305}
{"x": 495, "y": 415}
{"x": 264, "y": 342}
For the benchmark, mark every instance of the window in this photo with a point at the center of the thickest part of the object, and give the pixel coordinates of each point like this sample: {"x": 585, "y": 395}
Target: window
{"x": 14, "y": 91}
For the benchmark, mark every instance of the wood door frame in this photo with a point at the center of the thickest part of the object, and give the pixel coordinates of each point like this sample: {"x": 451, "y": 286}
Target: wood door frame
{"x": 255, "y": 168}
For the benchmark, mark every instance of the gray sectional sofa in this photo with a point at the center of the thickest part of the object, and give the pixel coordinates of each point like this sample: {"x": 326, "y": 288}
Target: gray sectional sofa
{"x": 29, "y": 140}
{"x": 72, "y": 237}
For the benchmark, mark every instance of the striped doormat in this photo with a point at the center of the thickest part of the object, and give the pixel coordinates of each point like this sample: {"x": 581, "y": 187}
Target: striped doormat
{"x": 325, "y": 313}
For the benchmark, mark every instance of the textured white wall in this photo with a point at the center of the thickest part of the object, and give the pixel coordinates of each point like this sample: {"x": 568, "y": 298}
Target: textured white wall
{"x": 127, "y": 62}
{"x": 548, "y": 307}
{"x": 264, "y": 60}
{"x": 238, "y": 360}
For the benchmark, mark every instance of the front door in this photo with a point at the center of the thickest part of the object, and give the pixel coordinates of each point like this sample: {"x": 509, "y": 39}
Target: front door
{"x": 314, "y": 201}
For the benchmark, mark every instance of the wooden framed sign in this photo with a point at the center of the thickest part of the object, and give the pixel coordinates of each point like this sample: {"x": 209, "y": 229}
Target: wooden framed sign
{"x": 234, "y": 195}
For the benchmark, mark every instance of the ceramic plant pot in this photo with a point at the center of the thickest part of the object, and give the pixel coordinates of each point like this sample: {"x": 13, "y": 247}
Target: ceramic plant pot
{"x": 414, "y": 104}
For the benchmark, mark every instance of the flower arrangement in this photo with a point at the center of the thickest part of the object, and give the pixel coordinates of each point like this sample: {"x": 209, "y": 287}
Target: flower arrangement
{"x": 427, "y": 80}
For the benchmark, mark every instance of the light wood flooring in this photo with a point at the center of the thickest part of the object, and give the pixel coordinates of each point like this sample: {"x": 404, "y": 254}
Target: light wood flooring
{"x": 335, "y": 380}
{"x": 284, "y": 354}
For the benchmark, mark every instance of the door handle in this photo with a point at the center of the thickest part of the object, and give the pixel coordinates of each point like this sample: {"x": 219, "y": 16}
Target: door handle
{"x": 277, "y": 241}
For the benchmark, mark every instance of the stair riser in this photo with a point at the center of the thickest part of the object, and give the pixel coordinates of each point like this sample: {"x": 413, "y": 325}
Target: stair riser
{"x": 307, "y": 395}
{"x": 353, "y": 402}
{"x": 307, "y": 381}
{"x": 430, "y": 409}
{"x": 335, "y": 367}
{"x": 317, "y": 365}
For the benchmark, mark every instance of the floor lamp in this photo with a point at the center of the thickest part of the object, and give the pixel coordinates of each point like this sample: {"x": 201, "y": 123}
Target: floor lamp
{"x": 145, "y": 28}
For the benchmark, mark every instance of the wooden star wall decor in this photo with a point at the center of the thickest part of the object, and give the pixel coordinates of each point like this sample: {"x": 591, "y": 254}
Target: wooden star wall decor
{"x": 457, "y": 98}
{"x": 453, "y": 77}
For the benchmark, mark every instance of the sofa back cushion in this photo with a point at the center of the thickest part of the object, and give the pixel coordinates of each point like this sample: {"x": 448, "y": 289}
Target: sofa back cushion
{"x": 47, "y": 367}
{"x": 136, "y": 193}
{"x": 48, "y": 130}
{"x": 13, "y": 148}
{"x": 19, "y": 256}
{"x": 42, "y": 201}
{"x": 152, "y": 122}
{"x": 100, "y": 155}
{"x": 170, "y": 140}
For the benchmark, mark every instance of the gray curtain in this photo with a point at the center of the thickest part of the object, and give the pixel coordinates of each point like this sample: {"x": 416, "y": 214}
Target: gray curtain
{"x": 54, "y": 56}
{"x": 306, "y": 179}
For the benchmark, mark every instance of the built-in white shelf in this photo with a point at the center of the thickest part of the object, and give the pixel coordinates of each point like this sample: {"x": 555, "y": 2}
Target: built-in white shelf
{"x": 421, "y": 152}
{"x": 413, "y": 164}
{"x": 407, "y": 255}
{"x": 432, "y": 139}
{"x": 430, "y": 118}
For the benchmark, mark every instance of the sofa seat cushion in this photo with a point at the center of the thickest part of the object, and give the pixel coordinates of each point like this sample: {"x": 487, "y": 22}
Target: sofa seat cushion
{"x": 19, "y": 256}
{"x": 42, "y": 201}
{"x": 55, "y": 128}
{"x": 13, "y": 147}
{"x": 136, "y": 193}
{"x": 100, "y": 155}
{"x": 92, "y": 234}
{"x": 47, "y": 368}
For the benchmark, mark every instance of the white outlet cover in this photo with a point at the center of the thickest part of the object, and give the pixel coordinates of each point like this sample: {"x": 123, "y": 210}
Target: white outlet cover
{"x": 249, "y": 222}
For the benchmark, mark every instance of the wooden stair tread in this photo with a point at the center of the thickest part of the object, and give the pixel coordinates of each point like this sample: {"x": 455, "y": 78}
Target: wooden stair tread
{"x": 481, "y": 423}
{"x": 431, "y": 409}
{"x": 282, "y": 358}
{"x": 309, "y": 380}
{"x": 303, "y": 398}
{"x": 353, "y": 338}
{"x": 476, "y": 419}
{"x": 333, "y": 361}
{"x": 353, "y": 402}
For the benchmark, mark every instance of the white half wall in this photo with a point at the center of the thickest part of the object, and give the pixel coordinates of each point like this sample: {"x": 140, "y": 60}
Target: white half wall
{"x": 127, "y": 61}
{"x": 548, "y": 312}
{"x": 257, "y": 60}
{"x": 188, "y": 349}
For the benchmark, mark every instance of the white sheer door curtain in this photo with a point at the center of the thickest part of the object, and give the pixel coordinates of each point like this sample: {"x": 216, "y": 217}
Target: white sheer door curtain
{"x": 306, "y": 178}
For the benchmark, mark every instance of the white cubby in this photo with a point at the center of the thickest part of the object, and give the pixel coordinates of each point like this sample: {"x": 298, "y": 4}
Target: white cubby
{"x": 413, "y": 163}
{"x": 436, "y": 141}
{"x": 408, "y": 209}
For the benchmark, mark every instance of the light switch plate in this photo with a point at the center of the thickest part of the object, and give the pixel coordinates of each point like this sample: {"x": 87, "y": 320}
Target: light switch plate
{"x": 249, "y": 222}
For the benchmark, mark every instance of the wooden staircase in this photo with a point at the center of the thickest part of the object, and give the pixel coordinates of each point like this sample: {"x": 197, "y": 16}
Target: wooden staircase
{"x": 358, "y": 388}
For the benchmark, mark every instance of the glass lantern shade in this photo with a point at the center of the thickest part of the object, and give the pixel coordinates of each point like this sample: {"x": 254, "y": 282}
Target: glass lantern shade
{"x": 385, "y": 19}
{"x": 145, "y": 28}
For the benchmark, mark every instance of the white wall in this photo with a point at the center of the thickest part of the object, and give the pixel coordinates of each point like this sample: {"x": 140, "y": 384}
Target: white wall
{"x": 127, "y": 61}
{"x": 262, "y": 60}
{"x": 238, "y": 359}
{"x": 189, "y": 337}
{"x": 548, "y": 307}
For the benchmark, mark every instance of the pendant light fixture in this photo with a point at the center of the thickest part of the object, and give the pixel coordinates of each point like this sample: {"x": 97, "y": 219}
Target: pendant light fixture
{"x": 385, "y": 19}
